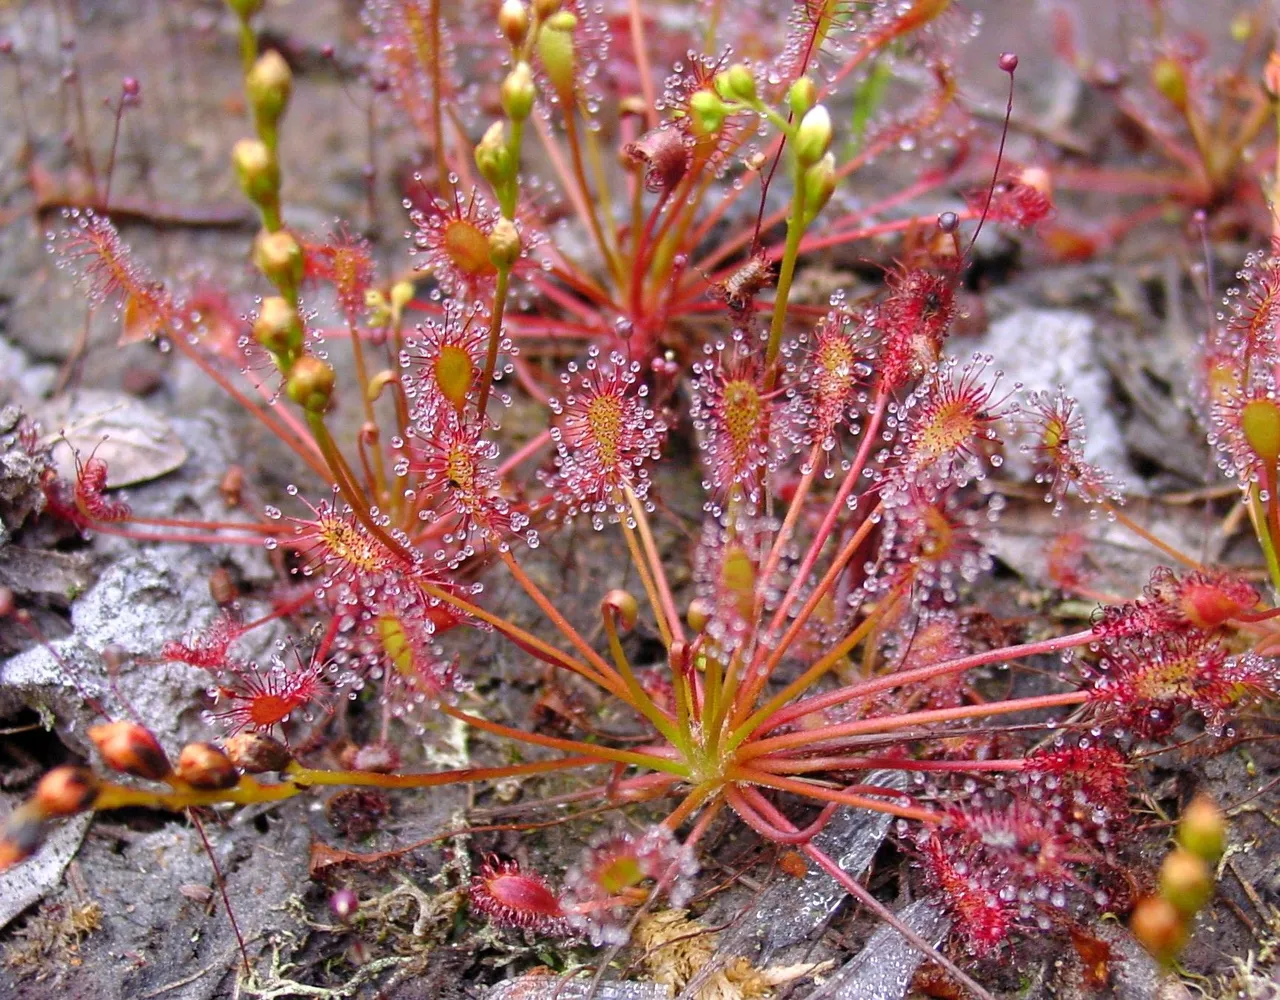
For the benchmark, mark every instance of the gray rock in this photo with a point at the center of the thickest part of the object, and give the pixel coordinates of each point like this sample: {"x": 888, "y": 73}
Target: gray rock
{"x": 885, "y": 967}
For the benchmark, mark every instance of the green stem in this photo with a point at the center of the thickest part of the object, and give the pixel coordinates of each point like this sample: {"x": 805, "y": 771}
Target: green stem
{"x": 495, "y": 338}
{"x": 795, "y": 230}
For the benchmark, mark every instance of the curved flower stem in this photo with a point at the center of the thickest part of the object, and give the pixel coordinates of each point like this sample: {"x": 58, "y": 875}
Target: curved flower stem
{"x": 495, "y": 339}
{"x": 640, "y": 700}
{"x": 863, "y": 762}
{"x": 646, "y": 580}
{"x": 795, "y": 229}
{"x": 788, "y": 524}
{"x": 607, "y": 676}
{"x": 655, "y": 563}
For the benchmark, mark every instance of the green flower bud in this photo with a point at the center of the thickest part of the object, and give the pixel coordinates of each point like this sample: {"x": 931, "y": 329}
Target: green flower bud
{"x": 518, "y": 92}
{"x": 504, "y": 244}
{"x": 1169, "y": 78}
{"x": 278, "y": 256}
{"x": 556, "y": 50}
{"x": 1185, "y": 881}
{"x": 269, "y": 85}
{"x": 819, "y": 186}
{"x": 257, "y": 170}
{"x": 310, "y": 384}
{"x": 707, "y": 111}
{"x": 278, "y": 327}
{"x": 742, "y": 83}
{"x": 1202, "y": 830}
{"x": 802, "y": 96}
{"x": 813, "y": 137}
{"x": 493, "y": 158}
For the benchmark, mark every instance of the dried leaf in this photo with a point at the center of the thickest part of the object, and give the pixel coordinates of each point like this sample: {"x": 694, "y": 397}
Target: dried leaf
{"x": 137, "y": 443}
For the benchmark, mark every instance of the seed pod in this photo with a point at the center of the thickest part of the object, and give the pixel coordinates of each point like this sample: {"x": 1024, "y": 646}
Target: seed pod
{"x": 204, "y": 766}
{"x": 802, "y": 96}
{"x": 699, "y": 613}
{"x": 132, "y": 749}
{"x": 513, "y": 19}
{"x": 232, "y": 486}
{"x": 518, "y": 92}
{"x": 813, "y": 137}
{"x": 256, "y": 753}
{"x": 504, "y": 244}
{"x": 556, "y": 50}
{"x": 65, "y": 791}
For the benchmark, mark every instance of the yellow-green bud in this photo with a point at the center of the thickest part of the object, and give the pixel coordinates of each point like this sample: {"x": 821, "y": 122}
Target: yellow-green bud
{"x": 377, "y": 308}
{"x": 245, "y": 9}
{"x": 707, "y": 111}
{"x": 278, "y": 256}
{"x": 504, "y": 244}
{"x": 278, "y": 327}
{"x": 518, "y": 92}
{"x": 555, "y": 49}
{"x": 699, "y": 613}
{"x": 493, "y": 158}
{"x": 513, "y": 20}
{"x": 802, "y": 96}
{"x": 1168, "y": 77}
{"x": 1202, "y": 830}
{"x": 257, "y": 170}
{"x": 819, "y": 186}
{"x": 268, "y": 85}
{"x": 401, "y": 294}
{"x": 813, "y": 137}
{"x": 623, "y": 605}
{"x": 310, "y": 384}
{"x": 1185, "y": 881}
{"x": 741, "y": 83}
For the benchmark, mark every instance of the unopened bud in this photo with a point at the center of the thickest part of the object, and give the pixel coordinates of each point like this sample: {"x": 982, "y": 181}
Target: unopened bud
{"x": 518, "y": 92}
{"x": 257, "y": 170}
{"x": 310, "y": 383}
{"x": 545, "y": 8}
{"x": 741, "y": 83}
{"x": 623, "y": 605}
{"x": 66, "y": 790}
{"x": 401, "y": 295}
{"x": 802, "y": 96}
{"x": 556, "y": 50}
{"x": 256, "y": 753}
{"x": 819, "y": 186}
{"x": 493, "y": 158}
{"x": 279, "y": 257}
{"x": 813, "y": 137}
{"x": 513, "y": 19}
{"x": 131, "y": 748}
{"x": 22, "y": 835}
{"x": 1185, "y": 881}
{"x": 269, "y": 84}
{"x": 1170, "y": 80}
{"x": 1203, "y": 829}
{"x": 699, "y": 614}
{"x": 1159, "y": 928}
{"x": 204, "y": 766}
{"x": 504, "y": 244}
{"x": 707, "y": 111}
{"x": 278, "y": 327}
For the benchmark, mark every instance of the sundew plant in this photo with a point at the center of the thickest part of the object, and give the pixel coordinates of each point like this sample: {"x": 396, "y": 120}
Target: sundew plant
{"x": 608, "y": 231}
